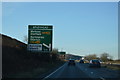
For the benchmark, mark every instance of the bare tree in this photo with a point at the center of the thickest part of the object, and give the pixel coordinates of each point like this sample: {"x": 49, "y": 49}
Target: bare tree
{"x": 91, "y": 56}
{"x": 105, "y": 57}
{"x": 25, "y": 39}
{"x": 54, "y": 54}
{"x": 55, "y": 51}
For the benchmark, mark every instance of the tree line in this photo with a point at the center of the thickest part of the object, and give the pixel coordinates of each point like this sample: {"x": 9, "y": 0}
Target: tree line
{"x": 103, "y": 57}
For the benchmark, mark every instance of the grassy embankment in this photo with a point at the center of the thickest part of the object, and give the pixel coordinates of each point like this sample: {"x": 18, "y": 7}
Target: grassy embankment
{"x": 17, "y": 62}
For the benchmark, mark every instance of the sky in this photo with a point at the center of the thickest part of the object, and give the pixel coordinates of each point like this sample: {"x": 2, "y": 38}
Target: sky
{"x": 60, "y": 0}
{"x": 80, "y": 28}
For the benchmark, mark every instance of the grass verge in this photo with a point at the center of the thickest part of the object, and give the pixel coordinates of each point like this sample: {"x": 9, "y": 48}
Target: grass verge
{"x": 110, "y": 66}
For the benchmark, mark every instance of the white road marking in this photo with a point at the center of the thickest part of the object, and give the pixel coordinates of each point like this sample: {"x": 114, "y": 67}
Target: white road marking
{"x": 102, "y": 78}
{"x": 53, "y": 72}
{"x": 91, "y": 72}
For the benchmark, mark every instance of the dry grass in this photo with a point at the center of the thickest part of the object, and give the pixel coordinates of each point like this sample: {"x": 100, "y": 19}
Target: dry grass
{"x": 113, "y": 67}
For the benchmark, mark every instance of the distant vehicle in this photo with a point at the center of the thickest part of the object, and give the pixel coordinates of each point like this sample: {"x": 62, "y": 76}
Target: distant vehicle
{"x": 71, "y": 62}
{"x": 95, "y": 63}
{"x": 101, "y": 61}
{"x": 81, "y": 61}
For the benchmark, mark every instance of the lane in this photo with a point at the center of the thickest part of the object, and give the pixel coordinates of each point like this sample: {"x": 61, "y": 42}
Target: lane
{"x": 68, "y": 72}
{"x": 73, "y": 72}
{"x": 102, "y": 73}
{"x": 83, "y": 72}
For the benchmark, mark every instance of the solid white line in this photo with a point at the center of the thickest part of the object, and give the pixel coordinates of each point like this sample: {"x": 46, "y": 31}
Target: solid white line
{"x": 102, "y": 78}
{"x": 53, "y": 72}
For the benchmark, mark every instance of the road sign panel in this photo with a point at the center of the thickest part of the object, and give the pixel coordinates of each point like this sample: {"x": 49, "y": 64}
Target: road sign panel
{"x": 40, "y": 37}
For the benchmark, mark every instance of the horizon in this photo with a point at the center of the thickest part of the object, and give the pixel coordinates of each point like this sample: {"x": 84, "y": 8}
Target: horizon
{"x": 61, "y": 50}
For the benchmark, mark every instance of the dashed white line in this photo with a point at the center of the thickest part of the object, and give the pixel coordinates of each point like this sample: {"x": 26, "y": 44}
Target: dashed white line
{"x": 91, "y": 72}
{"x": 85, "y": 69}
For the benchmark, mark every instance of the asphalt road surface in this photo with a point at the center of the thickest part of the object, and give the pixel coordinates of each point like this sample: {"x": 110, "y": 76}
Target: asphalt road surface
{"x": 83, "y": 72}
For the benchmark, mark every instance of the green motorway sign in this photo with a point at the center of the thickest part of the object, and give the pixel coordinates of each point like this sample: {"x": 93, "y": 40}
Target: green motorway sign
{"x": 40, "y": 37}
{"x": 62, "y": 53}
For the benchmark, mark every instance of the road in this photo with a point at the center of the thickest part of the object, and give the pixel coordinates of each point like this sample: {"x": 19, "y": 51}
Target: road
{"x": 83, "y": 72}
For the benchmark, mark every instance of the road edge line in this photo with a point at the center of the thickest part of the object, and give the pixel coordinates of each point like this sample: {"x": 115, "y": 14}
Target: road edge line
{"x": 53, "y": 72}
{"x": 102, "y": 78}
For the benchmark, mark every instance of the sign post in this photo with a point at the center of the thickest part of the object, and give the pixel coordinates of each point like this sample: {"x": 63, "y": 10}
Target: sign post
{"x": 40, "y": 38}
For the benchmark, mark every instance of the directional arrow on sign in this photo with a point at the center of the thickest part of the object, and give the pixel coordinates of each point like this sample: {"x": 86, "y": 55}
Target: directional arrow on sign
{"x": 48, "y": 46}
